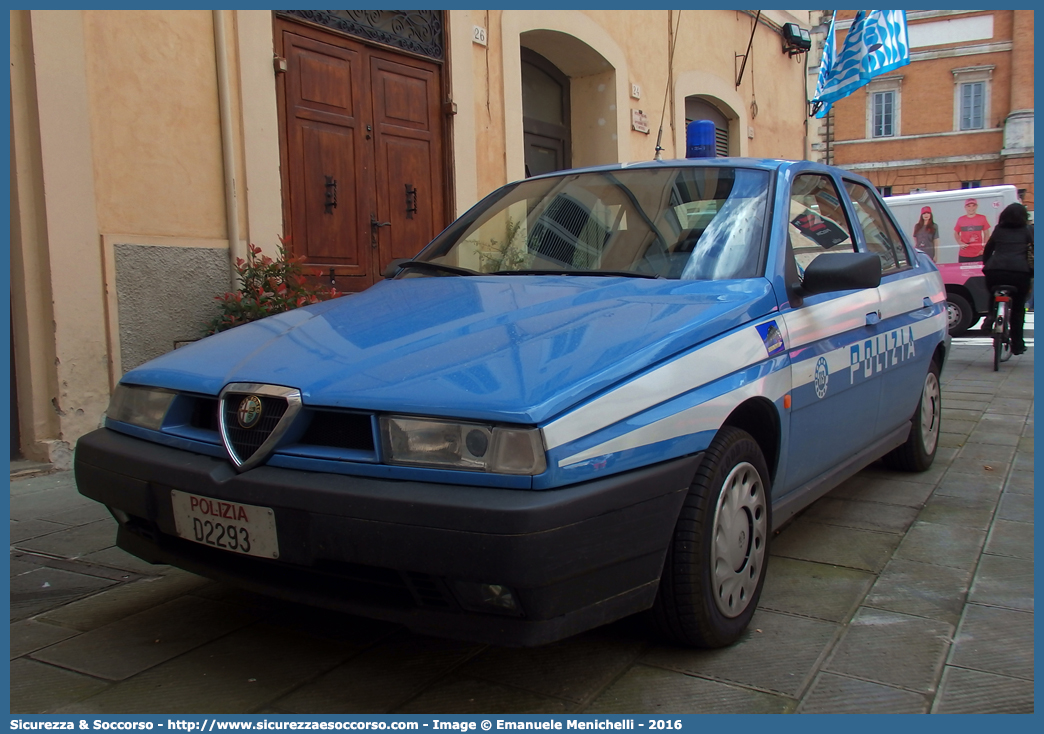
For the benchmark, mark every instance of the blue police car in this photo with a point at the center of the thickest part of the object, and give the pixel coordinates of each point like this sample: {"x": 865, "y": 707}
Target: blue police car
{"x": 598, "y": 392}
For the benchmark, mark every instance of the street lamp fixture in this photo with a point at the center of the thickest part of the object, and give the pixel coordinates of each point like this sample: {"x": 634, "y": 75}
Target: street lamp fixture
{"x": 796, "y": 40}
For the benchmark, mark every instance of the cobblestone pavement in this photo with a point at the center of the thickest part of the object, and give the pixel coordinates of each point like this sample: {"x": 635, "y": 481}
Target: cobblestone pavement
{"x": 905, "y": 593}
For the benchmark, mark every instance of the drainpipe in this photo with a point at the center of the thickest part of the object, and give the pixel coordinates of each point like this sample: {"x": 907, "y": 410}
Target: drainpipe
{"x": 228, "y": 157}
{"x": 805, "y": 87}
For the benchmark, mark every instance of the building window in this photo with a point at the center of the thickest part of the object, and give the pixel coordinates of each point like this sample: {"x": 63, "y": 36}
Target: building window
{"x": 974, "y": 184}
{"x": 883, "y": 103}
{"x": 972, "y": 101}
{"x": 884, "y": 115}
{"x": 971, "y": 97}
{"x": 884, "y": 190}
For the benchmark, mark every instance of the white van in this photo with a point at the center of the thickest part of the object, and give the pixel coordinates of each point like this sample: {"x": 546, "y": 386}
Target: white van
{"x": 963, "y": 220}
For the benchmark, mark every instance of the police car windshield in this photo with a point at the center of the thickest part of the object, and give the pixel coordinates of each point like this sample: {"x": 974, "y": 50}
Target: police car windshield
{"x": 683, "y": 223}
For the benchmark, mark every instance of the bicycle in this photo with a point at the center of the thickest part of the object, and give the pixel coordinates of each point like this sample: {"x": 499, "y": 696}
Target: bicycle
{"x": 1002, "y": 296}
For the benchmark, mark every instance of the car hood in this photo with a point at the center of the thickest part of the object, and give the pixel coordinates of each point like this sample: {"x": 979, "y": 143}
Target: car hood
{"x": 509, "y": 348}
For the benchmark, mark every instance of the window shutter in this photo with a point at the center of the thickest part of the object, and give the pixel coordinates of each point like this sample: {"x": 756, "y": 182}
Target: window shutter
{"x": 721, "y": 142}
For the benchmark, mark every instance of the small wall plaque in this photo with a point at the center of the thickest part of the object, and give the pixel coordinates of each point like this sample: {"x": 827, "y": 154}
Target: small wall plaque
{"x": 639, "y": 121}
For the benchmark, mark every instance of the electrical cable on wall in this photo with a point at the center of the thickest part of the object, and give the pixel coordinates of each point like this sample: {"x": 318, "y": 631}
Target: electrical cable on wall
{"x": 753, "y": 94}
{"x": 489, "y": 113}
{"x": 667, "y": 92}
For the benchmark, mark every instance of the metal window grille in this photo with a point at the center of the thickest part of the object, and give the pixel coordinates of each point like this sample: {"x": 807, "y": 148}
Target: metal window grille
{"x": 416, "y": 31}
{"x": 568, "y": 233}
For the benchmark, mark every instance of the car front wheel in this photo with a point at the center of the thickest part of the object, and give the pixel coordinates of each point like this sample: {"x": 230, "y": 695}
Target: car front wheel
{"x": 715, "y": 566}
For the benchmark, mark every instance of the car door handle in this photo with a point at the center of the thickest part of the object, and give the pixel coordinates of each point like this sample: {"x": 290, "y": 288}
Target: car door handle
{"x": 873, "y": 317}
{"x": 927, "y": 302}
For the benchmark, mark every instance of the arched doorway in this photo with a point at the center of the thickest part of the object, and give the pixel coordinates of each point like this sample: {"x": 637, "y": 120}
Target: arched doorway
{"x": 545, "y": 115}
{"x": 598, "y": 119}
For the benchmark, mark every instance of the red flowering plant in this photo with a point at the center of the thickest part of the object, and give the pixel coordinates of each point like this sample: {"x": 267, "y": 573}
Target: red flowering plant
{"x": 268, "y": 286}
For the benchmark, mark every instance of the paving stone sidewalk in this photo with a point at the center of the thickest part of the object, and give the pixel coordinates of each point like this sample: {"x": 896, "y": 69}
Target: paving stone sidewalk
{"x": 898, "y": 593}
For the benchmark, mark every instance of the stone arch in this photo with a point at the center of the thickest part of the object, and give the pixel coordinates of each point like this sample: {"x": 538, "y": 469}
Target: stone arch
{"x": 597, "y": 69}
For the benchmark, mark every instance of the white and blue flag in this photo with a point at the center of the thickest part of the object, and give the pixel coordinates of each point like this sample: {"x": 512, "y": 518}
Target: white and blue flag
{"x": 876, "y": 43}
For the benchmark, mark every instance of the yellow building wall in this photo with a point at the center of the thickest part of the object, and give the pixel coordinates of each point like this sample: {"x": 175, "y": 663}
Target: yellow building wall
{"x": 60, "y": 340}
{"x": 117, "y": 139}
{"x": 768, "y": 107}
{"x": 771, "y": 95}
{"x": 154, "y": 121}
{"x": 488, "y": 88}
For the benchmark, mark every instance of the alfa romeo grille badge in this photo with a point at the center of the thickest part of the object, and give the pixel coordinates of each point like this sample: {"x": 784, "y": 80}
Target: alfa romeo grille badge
{"x": 249, "y": 412}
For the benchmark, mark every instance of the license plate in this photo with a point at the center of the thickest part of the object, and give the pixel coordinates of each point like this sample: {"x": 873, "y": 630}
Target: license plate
{"x": 246, "y": 529}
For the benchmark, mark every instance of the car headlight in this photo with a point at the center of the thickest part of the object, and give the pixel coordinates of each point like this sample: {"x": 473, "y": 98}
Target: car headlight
{"x": 140, "y": 406}
{"x": 457, "y": 445}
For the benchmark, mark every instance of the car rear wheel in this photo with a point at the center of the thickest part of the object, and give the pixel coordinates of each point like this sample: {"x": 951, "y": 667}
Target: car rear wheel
{"x": 715, "y": 566}
{"x": 918, "y": 453}
{"x": 958, "y": 314}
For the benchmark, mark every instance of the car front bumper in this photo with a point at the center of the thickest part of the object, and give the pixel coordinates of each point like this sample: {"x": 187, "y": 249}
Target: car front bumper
{"x": 406, "y": 551}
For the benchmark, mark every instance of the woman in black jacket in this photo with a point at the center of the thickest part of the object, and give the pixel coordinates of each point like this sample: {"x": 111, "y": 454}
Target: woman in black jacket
{"x": 1006, "y": 261}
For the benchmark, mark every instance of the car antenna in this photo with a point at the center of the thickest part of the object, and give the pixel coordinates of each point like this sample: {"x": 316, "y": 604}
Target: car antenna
{"x": 670, "y": 73}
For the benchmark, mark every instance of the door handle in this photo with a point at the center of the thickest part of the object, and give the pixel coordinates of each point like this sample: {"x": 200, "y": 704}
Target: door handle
{"x": 411, "y": 200}
{"x": 873, "y": 317}
{"x": 331, "y": 195}
{"x": 375, "y": 227}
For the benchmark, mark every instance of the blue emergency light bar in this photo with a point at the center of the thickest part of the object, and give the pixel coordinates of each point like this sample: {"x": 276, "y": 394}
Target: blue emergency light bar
{"x": 699, "y": 140}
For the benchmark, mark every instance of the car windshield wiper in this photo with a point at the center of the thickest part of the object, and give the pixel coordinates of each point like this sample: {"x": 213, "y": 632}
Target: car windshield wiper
{"x": 603, "y": 273}
{"x": 424, "y": 264}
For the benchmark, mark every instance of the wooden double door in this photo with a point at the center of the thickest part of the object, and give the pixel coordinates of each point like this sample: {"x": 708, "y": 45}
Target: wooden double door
{"x": 362, "y": 153}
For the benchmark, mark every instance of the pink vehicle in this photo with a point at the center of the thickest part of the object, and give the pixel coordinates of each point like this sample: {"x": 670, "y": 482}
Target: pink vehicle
{"x": 952, "y": 227}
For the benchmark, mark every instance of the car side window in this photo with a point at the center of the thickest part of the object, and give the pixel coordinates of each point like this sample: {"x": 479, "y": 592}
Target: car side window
{"x": 881, "y": 236}
{"x": 818, "y": 224}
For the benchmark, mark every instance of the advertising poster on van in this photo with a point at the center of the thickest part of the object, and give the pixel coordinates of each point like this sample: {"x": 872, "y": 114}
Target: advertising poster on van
{"x": 952, "y": 228}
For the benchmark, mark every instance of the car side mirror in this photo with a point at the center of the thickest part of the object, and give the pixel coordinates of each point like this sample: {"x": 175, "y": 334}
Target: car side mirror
{"x": 841, "y": 271}
{"x": 393, "y": 268}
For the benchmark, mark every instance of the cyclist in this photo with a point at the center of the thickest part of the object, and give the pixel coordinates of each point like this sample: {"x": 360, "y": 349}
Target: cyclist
{"x": 1007, "y": 261}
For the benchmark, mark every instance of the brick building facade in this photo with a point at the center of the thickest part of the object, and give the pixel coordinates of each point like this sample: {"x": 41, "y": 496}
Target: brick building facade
{"x": 960, "y": 114}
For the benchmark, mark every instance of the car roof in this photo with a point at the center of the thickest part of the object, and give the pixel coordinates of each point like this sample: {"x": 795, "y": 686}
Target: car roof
{"x": 764, "y": 164}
